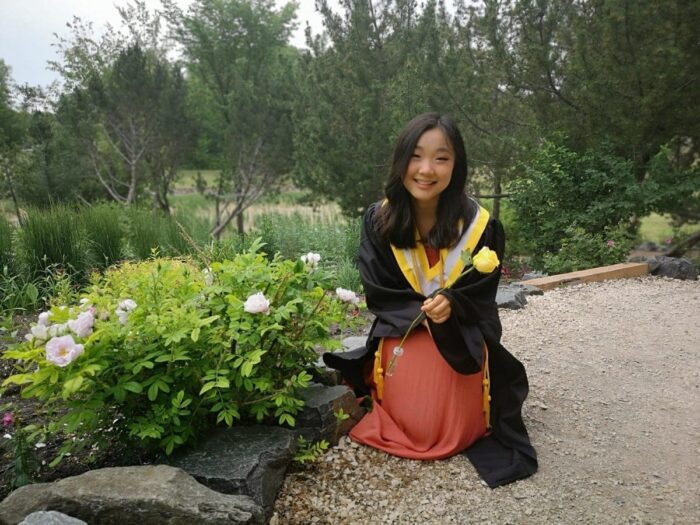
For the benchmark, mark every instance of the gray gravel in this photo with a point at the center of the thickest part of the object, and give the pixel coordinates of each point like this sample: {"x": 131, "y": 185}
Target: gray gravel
{"x": 614, "y": 412}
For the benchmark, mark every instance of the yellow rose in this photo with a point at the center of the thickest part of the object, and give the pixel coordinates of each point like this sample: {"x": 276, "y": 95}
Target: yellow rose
{"x": 486, "y": 260}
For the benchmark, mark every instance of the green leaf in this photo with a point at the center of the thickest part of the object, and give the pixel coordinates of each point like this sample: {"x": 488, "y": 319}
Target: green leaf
{"x": 195, "y": 335}
{"x": 207, "y": 387}
{"x": 72, "y": 385}
{"x": 287, "y": 418}
{"x": 133, "y": 386}
{"x": 153, "y": 392}
{"x": 32, "y": 292}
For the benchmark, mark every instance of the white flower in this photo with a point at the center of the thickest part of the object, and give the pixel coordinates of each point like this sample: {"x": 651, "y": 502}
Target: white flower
{"x": 44, "y": 318}
{"x": 208, "y": 276}
{"x": 40, "y": 332}
{"x": 311, "y": 258}
{"x": 257, "y": 304}
{"x": 39, "y": 444}
{"x": 84, "y": 303}
{"x": 57, "y": 329}
{"x": 347, "y": 296}
{"x": 82, "y": 326}
{"x": 122, "y": 311}
{"x": 62, "y": 351}
{"x": 29, "y": 337}
{"x": 127, "y": 305}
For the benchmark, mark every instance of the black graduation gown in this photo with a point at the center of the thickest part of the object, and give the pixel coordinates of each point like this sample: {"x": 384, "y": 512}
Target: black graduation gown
{"x": 506, "y": 454}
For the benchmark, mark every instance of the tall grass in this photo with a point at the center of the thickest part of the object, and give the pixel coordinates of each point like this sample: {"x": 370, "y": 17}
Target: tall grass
{"x": 6, "y": 231}
{"x": 54, "y": 237}
{"x": 105, "y": 233}
{"x": 293, "y": 236}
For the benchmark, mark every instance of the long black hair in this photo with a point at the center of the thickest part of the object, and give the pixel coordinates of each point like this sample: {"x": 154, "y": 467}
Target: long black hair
{"x": 395, "y": 218}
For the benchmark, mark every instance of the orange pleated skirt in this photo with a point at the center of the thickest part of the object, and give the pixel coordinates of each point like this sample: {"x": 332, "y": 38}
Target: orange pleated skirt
{"x": 427, "y": 410}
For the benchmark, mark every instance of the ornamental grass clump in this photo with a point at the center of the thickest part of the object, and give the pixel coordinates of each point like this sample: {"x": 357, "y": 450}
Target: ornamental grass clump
{"x": 160, "y": 350}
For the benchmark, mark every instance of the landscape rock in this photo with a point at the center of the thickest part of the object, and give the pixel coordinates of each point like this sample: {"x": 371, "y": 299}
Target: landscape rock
{"x": 350, "y": 343}
{"x": 242, "y": 460}
{"x": 318, "y": 419}
{"x": 50, "y": 517}
{"x": 140, "y": 495}
{"x": 513, "y": 296}
{"x": 532, "y": 275}
{"x": 673, "y": 267}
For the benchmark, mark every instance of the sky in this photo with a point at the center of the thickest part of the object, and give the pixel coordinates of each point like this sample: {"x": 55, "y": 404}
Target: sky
{"x": 27, "y": 30}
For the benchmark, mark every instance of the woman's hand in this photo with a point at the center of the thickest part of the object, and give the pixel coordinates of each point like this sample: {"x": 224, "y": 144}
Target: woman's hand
{"x": 437, "y": 309}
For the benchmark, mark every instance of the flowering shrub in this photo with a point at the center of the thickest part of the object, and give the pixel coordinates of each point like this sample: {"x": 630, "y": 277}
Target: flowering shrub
{"x": 580, "y": 250}
{"x": 160, "y": 350}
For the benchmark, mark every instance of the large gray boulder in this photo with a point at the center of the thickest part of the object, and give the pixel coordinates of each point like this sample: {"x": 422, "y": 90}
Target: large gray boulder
{"x": 242, "y": 460}
{"x": 141, "y": 495}
{"x": 323, "y": 404}
{"x": 673, "y": 267}
{"x": 50, "y": 517}
{"x": 513, "y": 296}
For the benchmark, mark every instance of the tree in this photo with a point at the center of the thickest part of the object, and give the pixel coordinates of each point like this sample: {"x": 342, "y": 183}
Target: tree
{"x": 12, "y": 135}
{"x": 606, "y": 71}
{"x": 125, "y": 105}
{"x": 237, "y": 53}
{"x": 363, "y": 80}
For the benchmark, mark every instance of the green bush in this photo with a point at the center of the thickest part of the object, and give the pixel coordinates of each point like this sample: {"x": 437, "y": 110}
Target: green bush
{"x": 54, "y": 237}
{"x": 580, "y": 250}
{"x": 562, "y": 191}
{"x": 169, "y": 350}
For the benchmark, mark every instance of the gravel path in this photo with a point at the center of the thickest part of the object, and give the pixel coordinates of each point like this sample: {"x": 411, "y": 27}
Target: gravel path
{"x": 614, "y": 412}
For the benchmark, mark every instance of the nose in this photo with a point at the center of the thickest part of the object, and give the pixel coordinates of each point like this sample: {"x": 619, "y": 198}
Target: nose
{"x": 425, "y": 166}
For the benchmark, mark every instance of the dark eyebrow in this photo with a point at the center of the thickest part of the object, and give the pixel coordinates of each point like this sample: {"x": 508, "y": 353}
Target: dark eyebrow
{"x": 446, "y": 150}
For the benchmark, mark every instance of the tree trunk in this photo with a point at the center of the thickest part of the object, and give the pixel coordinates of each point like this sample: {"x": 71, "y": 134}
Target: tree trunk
{"x": 679, "y": 249}
{"x": 497, "y": 195}
{"x": 239, "y": 224}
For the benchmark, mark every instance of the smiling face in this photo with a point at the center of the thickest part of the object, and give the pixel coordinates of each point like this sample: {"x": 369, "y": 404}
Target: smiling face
{"x": 430, "y": 168}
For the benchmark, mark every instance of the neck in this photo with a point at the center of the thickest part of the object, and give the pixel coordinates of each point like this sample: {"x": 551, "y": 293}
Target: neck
{"x": 425, "y": 217}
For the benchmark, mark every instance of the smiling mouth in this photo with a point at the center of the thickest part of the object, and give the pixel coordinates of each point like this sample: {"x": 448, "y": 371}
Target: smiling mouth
{"x": 424, "y": 182}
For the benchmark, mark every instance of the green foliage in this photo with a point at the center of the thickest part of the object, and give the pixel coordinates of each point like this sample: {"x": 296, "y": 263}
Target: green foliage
{"x": 310, "y": 452}
{"x": 6, "y": 233}
{"x": 341, "y": 416}
{"x": 673, "y": 181}
{"x": 17, "y": 291}
{"x": 337, "y": 243}
{"x": 103, "y": 226}
{"x": 561, "y": 191}
{"x": 54, "y": 238}
{"x": 581, "y": 249}
{"x": 149, "y": 230}
{"x": 186, "y": 354}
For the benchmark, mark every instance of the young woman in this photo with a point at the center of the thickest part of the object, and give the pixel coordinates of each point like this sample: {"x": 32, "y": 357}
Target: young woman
{"x": 452, "y": 386}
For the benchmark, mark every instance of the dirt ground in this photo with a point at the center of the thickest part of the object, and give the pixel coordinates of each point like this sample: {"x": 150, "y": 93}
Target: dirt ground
{"x": 613, "y": 411}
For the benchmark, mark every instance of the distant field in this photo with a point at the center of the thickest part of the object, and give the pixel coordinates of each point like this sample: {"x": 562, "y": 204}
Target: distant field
{"x": 657, "y": 228}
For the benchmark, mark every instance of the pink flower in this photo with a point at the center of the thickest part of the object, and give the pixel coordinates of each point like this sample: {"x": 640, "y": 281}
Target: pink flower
{"x": 44, "y": 318}
{"x": 611, "y": 243}
{"x": 62, "y": 351}
{"x": 82, "y": 326}
{"x": 257, "y": 304}
{"x": 8, "y": 419}
{"x": 347, "y": 296}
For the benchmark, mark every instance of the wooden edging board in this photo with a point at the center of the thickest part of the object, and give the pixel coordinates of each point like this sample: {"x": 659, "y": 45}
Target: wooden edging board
{"x": 615, "y": 271}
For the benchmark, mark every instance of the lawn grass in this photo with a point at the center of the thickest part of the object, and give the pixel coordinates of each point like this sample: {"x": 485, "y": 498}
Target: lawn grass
{"x": 659, "y": 228}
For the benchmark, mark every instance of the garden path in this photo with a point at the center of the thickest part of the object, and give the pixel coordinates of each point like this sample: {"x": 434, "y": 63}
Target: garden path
{"x": 613, "y": 411}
